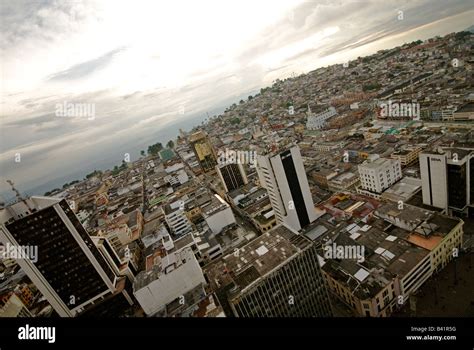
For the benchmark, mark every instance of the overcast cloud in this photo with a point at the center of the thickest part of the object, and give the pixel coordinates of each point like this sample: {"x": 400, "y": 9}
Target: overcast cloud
{"x": 140, "y": 62}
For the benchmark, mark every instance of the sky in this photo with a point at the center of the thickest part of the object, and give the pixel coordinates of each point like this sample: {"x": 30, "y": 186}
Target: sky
{"x": 149, "y": 66}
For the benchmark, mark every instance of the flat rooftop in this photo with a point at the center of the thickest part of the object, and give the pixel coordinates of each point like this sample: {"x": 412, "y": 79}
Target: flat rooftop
{"x": 468, "y": 107}
{"x": 216, "y": 204}
{"x": 199, "y": 135}
{"x": 409, "y": 214}
{"x": 255, "y": 259}
{"x": 406, "y": 187}
{"x": 461, "y": 153}
{"x": 162, "y": 265}
{"x": 428, "y": 243}
{"x": 378, "y": 163}
{"x": 386, "y": 256}
{"x": 26, "y": 207}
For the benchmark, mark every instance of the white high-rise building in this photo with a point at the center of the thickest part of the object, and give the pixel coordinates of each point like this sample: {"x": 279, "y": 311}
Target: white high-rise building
{"x": 446, "y": 176}
{"x": 378, "y": 175}
{"x": 284, "y": 177}
{"x": 434, "y": 179}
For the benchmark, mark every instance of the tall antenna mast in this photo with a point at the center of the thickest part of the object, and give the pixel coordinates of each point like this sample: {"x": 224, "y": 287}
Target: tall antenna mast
{"x": 17, "y": 194}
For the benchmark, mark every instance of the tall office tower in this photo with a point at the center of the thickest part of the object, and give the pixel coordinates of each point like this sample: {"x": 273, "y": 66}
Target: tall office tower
{"x": 448, "y": 179}
{"x": 232, "y": 176}
{"x": 68, "y": 270}
{"x": 284, "y": 177}
{"x": 205, "y": 153}
{"x": 275, "y": 275}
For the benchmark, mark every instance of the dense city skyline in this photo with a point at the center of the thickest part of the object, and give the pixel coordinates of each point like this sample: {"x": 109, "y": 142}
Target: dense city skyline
{"x": 209, "y": 168}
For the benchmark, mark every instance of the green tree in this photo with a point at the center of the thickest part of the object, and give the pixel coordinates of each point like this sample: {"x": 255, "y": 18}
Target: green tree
{"x": 154, "y": 149}
{"x": 373, "y": 86}
{"x": 142, "y": 152}
{"x": 116, "y": 170}
{"x": 462, "y": 34}
{"x": 94, "y": 173}
{"x": 170, "y": 144}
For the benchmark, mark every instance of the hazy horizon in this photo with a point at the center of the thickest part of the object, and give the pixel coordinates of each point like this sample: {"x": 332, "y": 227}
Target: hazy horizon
{"x": 153, "y": 61}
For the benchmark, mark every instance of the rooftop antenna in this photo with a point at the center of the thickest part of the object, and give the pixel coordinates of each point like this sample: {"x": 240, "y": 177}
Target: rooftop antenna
{"x": 17, "y": 194}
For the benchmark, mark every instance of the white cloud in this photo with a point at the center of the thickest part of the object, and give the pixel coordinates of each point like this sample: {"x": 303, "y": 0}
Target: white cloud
{"x": 138, "y": 61}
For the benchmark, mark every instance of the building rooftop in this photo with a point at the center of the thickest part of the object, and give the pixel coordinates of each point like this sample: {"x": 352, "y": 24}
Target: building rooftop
{"x": 255, "y": 259}
{"x": 386, "y": 256}
{"x": 378, "y": 163}
{"x": 25, "y": 207}
{"x": 450, "y": 151}
{"x": 408, "y": 215}
{"x": 403, "y": 190}
{"x": 468, "y": 107}
{"x": 162, "y": 265}
{"x": 216, "y": 204}
{"x": 199, "y": 135}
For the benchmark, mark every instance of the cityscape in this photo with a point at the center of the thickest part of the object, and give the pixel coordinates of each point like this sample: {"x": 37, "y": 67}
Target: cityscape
{"x": 344, "y": 191}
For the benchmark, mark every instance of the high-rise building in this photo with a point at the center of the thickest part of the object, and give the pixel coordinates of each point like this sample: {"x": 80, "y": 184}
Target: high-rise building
{"x": 123, "y": 261}
{"x": 232, "y": 176}
{"x": 68, "y": 269}
{"x": 378, "y": 175}
{"x": 205, "y": 153}
{"x": 275, "y": 275}
{"x": 448, "y": 179}
{"x": 284, "y": 177}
